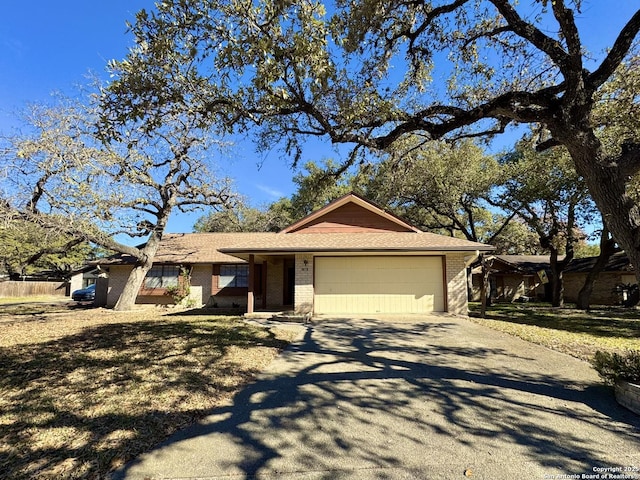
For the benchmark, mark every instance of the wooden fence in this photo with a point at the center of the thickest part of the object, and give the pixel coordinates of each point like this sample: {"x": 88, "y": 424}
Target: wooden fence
{"x": 29, "y": 289}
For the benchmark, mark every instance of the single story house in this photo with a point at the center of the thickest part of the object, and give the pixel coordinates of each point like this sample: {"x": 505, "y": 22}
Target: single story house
{"x": 513, "y": 277}
{"x": 350, "y": 257}
{"x": 612, "y": 285}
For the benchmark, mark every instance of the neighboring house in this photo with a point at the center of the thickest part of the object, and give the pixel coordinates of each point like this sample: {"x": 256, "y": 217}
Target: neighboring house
{"x": 83, "y": 277}
{"x": 350, "y": 257}
{"x": 607, "y": 289}
{"x": 513, "y": 277}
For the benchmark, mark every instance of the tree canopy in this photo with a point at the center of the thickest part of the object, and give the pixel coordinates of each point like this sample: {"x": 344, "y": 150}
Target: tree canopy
{"x": 441, "y": 187}
{"x": 242, "y": 218}
{"x": 27, "y": 249}
{"x": 64, "y": 176}
{"x": 370, "y": 73}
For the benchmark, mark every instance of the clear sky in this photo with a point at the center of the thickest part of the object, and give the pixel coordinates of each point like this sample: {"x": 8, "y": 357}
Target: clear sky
{"x": 48, "y": 46}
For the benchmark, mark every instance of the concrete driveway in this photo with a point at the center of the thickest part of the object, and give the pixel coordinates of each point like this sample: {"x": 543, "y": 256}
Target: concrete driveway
{"x": 440, "y": 397}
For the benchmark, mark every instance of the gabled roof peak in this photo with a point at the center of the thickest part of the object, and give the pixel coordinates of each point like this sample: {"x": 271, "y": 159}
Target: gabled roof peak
{"x": 350, "y": 198}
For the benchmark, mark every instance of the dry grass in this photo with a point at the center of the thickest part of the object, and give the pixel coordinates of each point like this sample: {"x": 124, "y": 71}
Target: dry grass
{"x": 83, "y": 391}
{"x": 574, "y": 332}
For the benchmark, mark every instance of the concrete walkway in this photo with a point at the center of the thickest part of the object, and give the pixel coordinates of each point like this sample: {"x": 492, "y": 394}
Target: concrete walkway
{"x": 438, "y": 398}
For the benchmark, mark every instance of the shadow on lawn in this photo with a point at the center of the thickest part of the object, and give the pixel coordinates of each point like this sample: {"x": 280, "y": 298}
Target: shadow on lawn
{"x": 383, "y": 396}
{"x": 76, "y": 406}
{"x": 602, "y": 323}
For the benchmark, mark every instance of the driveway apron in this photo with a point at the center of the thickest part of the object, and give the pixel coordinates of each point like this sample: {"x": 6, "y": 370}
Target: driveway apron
{"x": 436, "y": 397}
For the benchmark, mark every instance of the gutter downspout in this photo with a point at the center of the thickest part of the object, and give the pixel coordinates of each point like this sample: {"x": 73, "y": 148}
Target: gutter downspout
{"x": 468, "y": 260}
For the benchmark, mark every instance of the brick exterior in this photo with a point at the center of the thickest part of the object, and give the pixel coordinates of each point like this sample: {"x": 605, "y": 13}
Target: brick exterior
{"x": 303, "y": 300}
{"x": 510, "y": 287}
{"x": 628, "y": 395}
{"x": 349, "y": 224}
{"x": 603, "y": 293}
{"x": 456, "y": 278}
{"x": 118, "y": 275}
{"x": 200, "y": 284}
{"x": 227, "y": 301}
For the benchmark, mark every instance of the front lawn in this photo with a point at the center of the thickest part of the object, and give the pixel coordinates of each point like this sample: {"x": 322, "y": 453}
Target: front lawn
{"x": 575, "y": 332}
{"x": 82, "y": 392}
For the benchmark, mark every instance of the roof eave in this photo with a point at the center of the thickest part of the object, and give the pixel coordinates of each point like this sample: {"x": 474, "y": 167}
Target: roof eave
{"x": 248, "y": 251}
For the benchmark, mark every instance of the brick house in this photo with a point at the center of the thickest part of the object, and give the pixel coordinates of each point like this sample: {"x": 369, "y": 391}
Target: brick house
{"x": 349, "y": 257}
{"x": 513, "y": 277}
{"x": 618, "y": 272}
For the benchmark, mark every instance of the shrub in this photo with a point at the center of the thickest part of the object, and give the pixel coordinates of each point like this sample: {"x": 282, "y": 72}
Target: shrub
{"x": 182, "y": 290}
{"x": 178, "y": 293}
{"x": 615, "y": 366}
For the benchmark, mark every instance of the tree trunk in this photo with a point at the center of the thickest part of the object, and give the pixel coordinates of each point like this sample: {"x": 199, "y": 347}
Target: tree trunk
{"x": 607, "y": 179}
{"x": 557, "y": 286}
{"x": 557, "y": 274}
{"x": 618, "y": 209}
{"x": 129, "y": 294}
{"x": 485, "y": 291}
{"x": 607, "y": 248}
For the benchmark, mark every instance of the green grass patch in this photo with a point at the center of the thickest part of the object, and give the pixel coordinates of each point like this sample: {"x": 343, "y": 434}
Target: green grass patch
{"x": 82, "y": 393}
{"x": 575, "y": 332}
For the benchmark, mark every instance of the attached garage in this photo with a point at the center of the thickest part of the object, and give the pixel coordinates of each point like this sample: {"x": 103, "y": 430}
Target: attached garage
{"x": 379, "y": 284}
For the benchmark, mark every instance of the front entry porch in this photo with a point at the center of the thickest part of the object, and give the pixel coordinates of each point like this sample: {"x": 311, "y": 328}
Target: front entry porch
{"x": 285, "y": 283}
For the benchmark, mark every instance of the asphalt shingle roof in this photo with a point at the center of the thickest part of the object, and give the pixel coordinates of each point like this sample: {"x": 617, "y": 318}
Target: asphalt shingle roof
{"x": 618, "y": 262}
{"x": 218, "y": 247}
{"x": 332, "y": 242}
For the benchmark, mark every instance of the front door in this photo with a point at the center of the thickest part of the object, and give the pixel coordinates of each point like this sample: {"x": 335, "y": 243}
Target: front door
{"x": 289, "y": 281}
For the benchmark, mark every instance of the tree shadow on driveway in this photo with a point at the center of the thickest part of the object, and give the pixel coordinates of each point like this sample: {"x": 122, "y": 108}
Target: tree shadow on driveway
{"x": 372, "y": 399}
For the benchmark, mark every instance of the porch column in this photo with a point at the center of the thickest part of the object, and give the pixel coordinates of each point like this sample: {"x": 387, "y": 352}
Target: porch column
{"x": 263, "y": 280}
{"x": 252, "y": 278}
{"x": 303, "y": 302}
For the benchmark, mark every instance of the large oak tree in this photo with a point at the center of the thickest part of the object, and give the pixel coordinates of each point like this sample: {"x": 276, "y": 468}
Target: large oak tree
{"x": 62, "y": 176}
{"x": 369, "y": 73}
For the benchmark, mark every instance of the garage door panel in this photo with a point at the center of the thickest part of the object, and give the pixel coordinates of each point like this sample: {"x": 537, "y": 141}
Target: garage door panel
{"x": 378, "y": 284}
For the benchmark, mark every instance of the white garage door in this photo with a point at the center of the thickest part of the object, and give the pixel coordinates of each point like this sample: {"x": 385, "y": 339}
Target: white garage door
{"x": 378, "y": 285}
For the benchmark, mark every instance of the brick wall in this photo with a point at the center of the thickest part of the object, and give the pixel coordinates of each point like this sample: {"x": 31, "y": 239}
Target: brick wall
{"x": 602, "y": 290}
{"x": 510, "y": 288}
{"x": 200, "y": 284}
{"x": 303, "y": 301}
{"x": 118, "y": 275}
{"x": 456, "y": 278}
{"x": 628, "y": 395}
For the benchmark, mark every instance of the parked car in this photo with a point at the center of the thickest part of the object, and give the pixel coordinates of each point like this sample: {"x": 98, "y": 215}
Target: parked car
{"x": 85, "y": 295}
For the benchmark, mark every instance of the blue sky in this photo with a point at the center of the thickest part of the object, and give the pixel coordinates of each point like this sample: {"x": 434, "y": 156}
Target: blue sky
{"x": 51, "y": 46}
{"x": 48, "y": 46}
